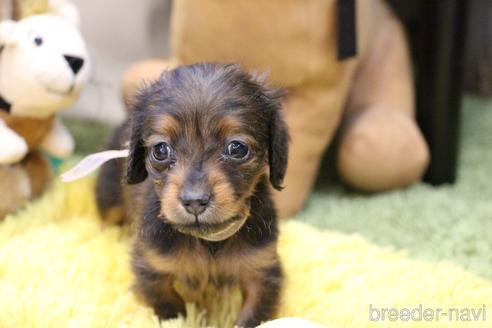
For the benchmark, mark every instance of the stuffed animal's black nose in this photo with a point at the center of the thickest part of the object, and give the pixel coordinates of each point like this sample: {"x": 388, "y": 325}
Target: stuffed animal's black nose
{"x": 194, "y": 201}
{"x": 75, "y": 63}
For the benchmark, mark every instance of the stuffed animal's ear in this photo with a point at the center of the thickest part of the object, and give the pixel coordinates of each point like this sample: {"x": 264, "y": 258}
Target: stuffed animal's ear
{"x": 66, "y": 10}
{"x": 8, "y": 33}
{"x": 278, "y": 150}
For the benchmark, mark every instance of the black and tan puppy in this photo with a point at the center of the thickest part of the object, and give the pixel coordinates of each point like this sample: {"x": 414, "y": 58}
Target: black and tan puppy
{"x": 205, "y": 142}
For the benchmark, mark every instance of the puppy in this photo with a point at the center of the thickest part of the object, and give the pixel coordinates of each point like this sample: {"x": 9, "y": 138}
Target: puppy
{"x": 205, "y": 142}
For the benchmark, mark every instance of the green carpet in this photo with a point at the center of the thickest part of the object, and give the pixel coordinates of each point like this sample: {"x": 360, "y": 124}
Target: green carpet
{"x": 449, "y": 223}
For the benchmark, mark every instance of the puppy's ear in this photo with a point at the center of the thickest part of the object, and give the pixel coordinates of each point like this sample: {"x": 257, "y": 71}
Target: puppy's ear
{"x": 136, "y": 171}
{"x": 278, "y": 149}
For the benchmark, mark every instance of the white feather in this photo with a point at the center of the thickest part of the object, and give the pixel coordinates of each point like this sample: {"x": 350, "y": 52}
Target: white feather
{"x": 91, "y": 163}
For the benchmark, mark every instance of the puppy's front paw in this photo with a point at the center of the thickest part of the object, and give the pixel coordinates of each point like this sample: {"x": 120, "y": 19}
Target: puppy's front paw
{"x": 156, "y": 289}
{"x": 261, "y": 296}
{"x": 167, "y": 311}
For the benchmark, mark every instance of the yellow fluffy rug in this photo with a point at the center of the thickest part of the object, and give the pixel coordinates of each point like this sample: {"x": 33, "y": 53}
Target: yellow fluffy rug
{"x": 60, "y": 268}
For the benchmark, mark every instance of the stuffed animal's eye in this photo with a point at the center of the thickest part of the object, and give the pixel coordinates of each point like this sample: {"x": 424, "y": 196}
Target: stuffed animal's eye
{"x": 37, "y": 40}
{"x": 161, "y": 152}
{"x": 237, "y": 150}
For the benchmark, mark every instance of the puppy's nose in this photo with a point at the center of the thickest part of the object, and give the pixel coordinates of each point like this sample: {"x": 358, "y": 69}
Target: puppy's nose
{"x": 75, "y": 63}
{"x": 195, "y": 202}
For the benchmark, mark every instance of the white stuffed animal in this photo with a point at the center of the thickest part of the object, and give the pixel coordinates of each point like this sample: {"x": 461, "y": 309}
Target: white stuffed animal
{"x": 44, "y": 65}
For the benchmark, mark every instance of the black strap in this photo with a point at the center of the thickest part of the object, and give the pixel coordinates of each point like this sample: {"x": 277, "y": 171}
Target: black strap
{"x": 4, "y": 105}
{"x": 346, "y": 29}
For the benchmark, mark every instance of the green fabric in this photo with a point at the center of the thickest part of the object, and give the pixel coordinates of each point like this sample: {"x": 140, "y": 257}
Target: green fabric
{"x": 451, "y": 222}
{"x": 90, "y": 136}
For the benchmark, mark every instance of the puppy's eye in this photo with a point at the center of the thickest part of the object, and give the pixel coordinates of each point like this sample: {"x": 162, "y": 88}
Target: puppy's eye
{"x": 161, "y": 152}
{"x": 237, "y": 150}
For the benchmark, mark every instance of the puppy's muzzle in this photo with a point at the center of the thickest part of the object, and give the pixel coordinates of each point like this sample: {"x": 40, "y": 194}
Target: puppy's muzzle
{"x": 196, "y": 193}
{"x": 195, "y": 199}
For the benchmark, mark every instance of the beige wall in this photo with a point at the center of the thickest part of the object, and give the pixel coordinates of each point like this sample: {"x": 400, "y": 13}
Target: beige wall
{"x": 118, "y": 33}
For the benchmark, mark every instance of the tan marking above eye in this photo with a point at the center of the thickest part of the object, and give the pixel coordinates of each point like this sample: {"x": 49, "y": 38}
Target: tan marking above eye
{"x": 231, "y": 128}
{"x": 166, "y": 125}
{"x": 244, "y": 138}
{"x": 154, "y": 139}
{"x": 228, "y": 126}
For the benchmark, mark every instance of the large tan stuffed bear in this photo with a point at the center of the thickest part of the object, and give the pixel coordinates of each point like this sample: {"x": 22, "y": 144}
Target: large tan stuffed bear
{"x": 369, "y": 97}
